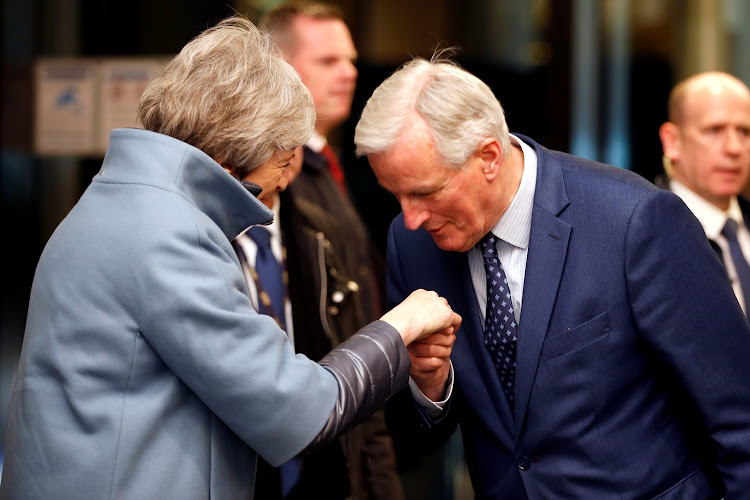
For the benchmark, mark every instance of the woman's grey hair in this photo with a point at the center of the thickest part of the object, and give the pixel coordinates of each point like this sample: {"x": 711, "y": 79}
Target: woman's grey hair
{"x": 459, "y": 108}
{"x": 230, "y": 94}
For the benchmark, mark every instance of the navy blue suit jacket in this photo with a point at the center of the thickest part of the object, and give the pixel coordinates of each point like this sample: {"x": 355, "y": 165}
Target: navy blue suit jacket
{"x": 633, "y": 358}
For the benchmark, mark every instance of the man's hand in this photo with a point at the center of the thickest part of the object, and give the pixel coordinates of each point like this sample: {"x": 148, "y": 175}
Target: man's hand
{"x": 430, "y": 362}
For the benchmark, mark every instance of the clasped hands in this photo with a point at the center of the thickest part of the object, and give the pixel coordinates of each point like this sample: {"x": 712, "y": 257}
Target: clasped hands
{"x": 428, "y": 326}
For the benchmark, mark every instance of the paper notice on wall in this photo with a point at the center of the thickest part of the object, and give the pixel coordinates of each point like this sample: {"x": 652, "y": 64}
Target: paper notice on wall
{"x": 65, "y": 107}
{"x": 122, "y": 83}
{"x": 79, "y": 101}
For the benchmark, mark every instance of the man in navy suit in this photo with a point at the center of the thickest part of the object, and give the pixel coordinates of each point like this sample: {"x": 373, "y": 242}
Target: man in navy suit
{"x": 628, "y": 367}
{"x": 706, "y": 146}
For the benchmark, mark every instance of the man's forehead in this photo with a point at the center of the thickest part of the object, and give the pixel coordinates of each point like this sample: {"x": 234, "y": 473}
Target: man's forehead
{"x": 714, "y": 89}
{"x": 707, "y": 111}
{"x": 309, "y": 29}
{"x": 402, "y": 171}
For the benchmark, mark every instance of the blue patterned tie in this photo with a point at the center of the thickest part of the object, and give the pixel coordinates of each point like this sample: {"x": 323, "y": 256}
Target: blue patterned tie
{"x": 500, "y": 323}
{"x": 740, "y": 263}
{"x": 269, "y": 273}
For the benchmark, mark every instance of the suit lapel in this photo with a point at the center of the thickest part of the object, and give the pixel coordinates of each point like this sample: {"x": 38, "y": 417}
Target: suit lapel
{"x": 548, "y": 246}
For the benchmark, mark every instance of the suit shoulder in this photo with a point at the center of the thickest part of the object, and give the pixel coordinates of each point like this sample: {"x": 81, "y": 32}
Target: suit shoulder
{"x": 592, "y": 182}
{"x": 592, "y": 171}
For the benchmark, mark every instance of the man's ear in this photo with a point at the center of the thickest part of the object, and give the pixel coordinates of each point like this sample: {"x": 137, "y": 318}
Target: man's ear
{"x": 491, "y": 155}
{"x": 669, "y": 133}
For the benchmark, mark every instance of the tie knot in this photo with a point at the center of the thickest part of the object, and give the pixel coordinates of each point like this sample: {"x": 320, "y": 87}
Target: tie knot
{"x": 730, "y": 229}
{"x": 487, "y": 246}
{"x": 261, "y": 236}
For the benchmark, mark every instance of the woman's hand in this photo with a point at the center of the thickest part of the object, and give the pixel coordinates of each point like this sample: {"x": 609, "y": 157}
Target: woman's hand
{"x": 420, "y": 315}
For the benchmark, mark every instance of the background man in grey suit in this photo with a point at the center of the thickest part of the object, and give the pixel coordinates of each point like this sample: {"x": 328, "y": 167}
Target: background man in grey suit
{"x": 706, "y": 145}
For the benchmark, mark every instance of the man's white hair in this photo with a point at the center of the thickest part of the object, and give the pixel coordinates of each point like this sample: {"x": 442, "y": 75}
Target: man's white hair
{"x": 460, "y": 110}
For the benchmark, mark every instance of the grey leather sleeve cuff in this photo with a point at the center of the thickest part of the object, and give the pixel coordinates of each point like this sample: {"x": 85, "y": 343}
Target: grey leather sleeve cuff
{"x": 369, "y": 367}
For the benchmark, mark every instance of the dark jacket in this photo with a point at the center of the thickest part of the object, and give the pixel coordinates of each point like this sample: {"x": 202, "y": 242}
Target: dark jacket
{"x": 333, "y": 291}
{"x": 316, "y": 184}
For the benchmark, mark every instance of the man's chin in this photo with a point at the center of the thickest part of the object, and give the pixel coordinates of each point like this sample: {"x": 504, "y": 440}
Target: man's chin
{"x": 450, "y": 244}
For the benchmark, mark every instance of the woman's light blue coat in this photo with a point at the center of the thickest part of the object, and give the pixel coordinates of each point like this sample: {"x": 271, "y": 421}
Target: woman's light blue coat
{"x": 145, "y": 371}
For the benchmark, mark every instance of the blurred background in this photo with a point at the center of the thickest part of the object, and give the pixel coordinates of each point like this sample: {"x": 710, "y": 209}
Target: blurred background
{"x": 590, "y": 77}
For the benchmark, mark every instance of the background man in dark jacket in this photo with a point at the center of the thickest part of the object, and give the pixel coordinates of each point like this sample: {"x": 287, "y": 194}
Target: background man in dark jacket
{"x": 333, "y": 282}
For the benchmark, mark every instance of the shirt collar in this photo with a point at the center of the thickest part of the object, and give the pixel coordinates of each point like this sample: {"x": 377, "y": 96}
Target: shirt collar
{"x": 514, "y": 226}
{"x": 275, "y": 227}
{"x": 317, "y": 142}
{"x": 711, "y": 218}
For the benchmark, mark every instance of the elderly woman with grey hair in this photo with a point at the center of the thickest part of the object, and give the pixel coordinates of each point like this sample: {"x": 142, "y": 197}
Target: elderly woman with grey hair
{"x": 145, "y": 370}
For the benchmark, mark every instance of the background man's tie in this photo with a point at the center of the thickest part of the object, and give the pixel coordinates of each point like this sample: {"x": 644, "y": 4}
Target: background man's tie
{"x": 500, "y": 323}
{"x": 337, "y": 172}
{"x": 740, "y": 263}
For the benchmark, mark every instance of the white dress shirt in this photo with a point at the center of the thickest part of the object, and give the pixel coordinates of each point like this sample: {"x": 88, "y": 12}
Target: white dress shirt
{"x": 713, "y": 219}
{"x": 513, "y": 231}
{"x": 251, "y": 249}
{"x": 317, "y": 142}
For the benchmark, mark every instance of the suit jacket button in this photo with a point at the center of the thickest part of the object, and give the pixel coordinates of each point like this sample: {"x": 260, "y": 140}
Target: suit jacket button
{"x": 524, "y": 463}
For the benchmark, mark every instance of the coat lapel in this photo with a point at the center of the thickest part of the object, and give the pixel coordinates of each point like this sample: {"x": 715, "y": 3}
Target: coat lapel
{"x": 548, "y": 246}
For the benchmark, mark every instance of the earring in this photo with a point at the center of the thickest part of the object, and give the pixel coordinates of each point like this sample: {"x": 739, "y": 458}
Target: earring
{"x": 666, "y": 162}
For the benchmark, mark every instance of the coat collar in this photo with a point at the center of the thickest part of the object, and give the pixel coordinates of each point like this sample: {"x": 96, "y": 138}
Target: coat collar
{"x": 550, "y": 192}
{"x": 143, "y": 157}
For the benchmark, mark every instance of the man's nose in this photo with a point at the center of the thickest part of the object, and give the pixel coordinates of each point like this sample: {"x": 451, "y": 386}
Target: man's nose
{"x": 349, "y": 70}
{"x": 736, "y": 142}
{"x": 414, "y": 215}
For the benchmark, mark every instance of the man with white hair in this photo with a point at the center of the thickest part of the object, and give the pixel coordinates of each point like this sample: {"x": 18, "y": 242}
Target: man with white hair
{"x": 602, "y": 353}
